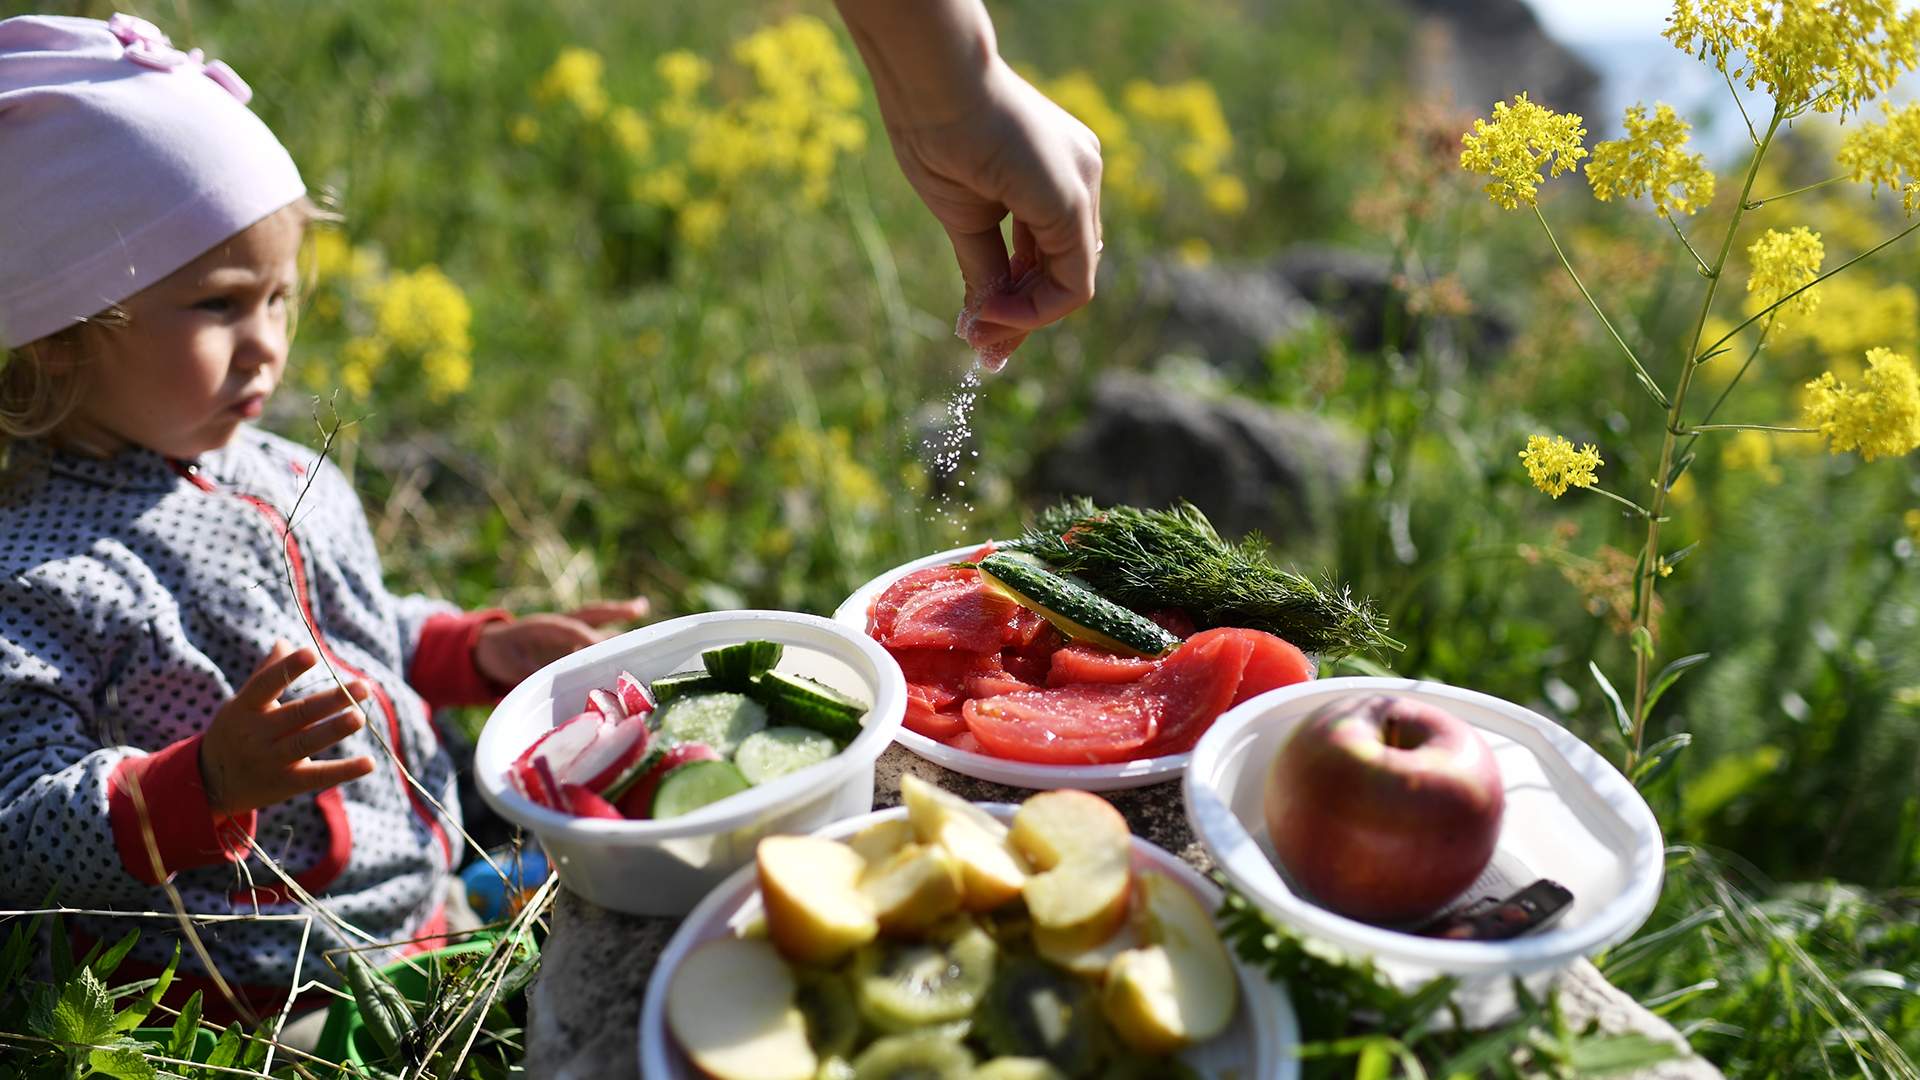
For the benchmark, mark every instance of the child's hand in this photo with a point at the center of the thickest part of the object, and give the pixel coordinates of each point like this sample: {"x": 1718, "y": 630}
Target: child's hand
{"x": 507, "y": 652}
{"x": 255, "y": 752}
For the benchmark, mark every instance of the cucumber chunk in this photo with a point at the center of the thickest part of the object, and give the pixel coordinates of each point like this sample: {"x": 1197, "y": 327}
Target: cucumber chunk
{"x": 682, "y": 684}
{"x": 736, "y": 665}
{"x": 720, "y": 720}
{"x": 1075, "y": 610}
{"x": 778, "y": 751}
{"x": 797, "y": 699}
{"x": 694, "y": 785}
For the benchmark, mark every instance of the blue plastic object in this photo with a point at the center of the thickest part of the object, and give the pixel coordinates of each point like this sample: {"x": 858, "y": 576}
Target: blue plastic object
{"x": 494, "y": 897}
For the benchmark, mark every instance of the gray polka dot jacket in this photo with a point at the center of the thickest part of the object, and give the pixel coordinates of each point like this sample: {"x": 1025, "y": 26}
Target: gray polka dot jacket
{"x": 136, "y": 595}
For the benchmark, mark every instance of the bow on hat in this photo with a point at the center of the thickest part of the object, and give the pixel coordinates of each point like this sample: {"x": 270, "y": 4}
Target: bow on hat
{"x": 147, "y": 46}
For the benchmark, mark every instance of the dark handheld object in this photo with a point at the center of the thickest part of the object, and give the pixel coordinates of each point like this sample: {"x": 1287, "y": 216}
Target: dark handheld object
{"x": 1486, "y": 919}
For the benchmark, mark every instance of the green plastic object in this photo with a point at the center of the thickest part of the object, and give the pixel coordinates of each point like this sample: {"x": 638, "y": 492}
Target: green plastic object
{"x": 345, "y": 1038}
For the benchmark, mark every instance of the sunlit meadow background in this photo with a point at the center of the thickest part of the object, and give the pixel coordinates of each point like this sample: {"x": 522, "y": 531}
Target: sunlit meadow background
{"x": 632, "y": 298}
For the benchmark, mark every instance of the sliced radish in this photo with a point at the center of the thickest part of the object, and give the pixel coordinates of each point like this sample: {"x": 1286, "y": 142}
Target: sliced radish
{"x": 611, "y": 753}
{"x": 606, "y": 704}
{"x": 584, "y": 802}
{"x": 557, "y": 748}
{"x": 542, "y": 788}
{"x": 634, "y": 695}
{"x": 637, "y": 803}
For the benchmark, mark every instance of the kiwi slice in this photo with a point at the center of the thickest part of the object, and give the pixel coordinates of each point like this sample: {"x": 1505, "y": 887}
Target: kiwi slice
{"x": 921, "y": 1056}
{"x": 834, "y": 1068}
{"x": 901, "y": 985}
{"x": 833, "y": 1025}
{"x": 1035, "y": 1010}
{"x": 1018, "y": 1068}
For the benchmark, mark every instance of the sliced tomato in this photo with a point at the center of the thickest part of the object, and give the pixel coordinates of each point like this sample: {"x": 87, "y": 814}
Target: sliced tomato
{"x": 931, "y": 697}
{"x": 1032, "y": 661}
{"x": 1070, "y": 725}
{"x": 946, "y": 669}
{"x": 1076, "y": 664}
{"x": 993, "y": 685}
{"x": 1275, "y": 662}
{"x": 1196, "y": 683}
{"x": 966, "y": 741}
{"x": 941, "y": 607}
{"x": 934, "y": 724}
{"x": 981, "y": 552}
{"x": 1025, "y": 625}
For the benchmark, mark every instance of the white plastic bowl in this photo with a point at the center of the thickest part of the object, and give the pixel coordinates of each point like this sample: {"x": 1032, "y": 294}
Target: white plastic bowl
{"x": 1021, "y": 774}
{"x": 1570, "y": 816}
{"x": 665, "y": 867}
{"x": 1260, "y": 1044}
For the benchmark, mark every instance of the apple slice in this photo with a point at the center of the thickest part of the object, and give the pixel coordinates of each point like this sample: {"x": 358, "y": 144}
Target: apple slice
{"x": 877, "y": 842}
{"x": 606, "y": 704}
{"x": 613, "y": 751}
{"x": 582, "y": 801}
{"x": 732, "y": 1010}
{"x": 816, "y": 912}
{"x": 637, "y": 801}
{"x": 1181, "y": 988}
{"x": 991, "y": 872}
{"x": 1083, "y": 852}
{"x": 914, "y": 888}
{"x": 634, "y": 696}
{"x": 1091, "y": 962}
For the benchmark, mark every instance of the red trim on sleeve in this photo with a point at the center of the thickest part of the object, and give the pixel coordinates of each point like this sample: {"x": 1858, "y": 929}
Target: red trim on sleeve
{"x": 443, "y": 672}
{"x": 185, "y": 829}
{"x": 333, "y": 814}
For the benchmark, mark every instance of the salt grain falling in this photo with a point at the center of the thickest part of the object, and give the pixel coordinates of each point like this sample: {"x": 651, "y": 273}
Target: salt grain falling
{"x": 948, "y": 447}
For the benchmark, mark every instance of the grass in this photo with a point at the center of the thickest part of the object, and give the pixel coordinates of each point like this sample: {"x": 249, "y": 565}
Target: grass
{"x": 738, "y": 422}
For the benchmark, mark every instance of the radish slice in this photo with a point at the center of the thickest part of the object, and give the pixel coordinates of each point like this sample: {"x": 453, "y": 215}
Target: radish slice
{"x": 612, "y": 752}
{"x": 583, "y": 802}
{"x": 606, "y": 704}
{"x": 633, "y": 694}
{"x": 542, "y": 788}
{"x": 560, "y": 746}
{"x": 637, "y": 803}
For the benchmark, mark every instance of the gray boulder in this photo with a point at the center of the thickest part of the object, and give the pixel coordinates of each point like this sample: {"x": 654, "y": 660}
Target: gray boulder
{"x": 1231, "y": 315}
{"x": 1247, "y": 466}
{"x": 1477, "y": 52}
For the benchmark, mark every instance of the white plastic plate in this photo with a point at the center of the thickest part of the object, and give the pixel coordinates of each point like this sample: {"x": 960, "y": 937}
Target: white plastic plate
{"x": 1570, "y": 816}
{"x": 1260, "y": 1043}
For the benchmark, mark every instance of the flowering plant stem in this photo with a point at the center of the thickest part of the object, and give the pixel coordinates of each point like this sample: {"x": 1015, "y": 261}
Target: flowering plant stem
{"x": 1639, "y": 371}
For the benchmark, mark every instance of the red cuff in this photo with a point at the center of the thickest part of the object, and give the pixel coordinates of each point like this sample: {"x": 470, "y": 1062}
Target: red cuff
{"x": 443, "y": 672}
{"x": 185, "y": 829}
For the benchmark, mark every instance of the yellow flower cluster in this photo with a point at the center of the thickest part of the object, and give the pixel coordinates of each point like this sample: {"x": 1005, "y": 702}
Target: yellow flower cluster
{"x": 1554, "y": 465}
{"x": 1192, "y": 109}
{"x": 420, "y": 316}
{"x": 1881, "y": 419}
{"x": 1751, "y": 451}
{"x": 1652, "y": 160}
{"x": 1824, "y": 55}
{"x": 575, "y": 78}
{"x": 1912, "y": 519}
{"x": 1855, "y": 315}
{"x": 808, "y": 456}
{"x": 1782, "y": 262}
{"x": 1182, "y": 123}
{"x": 1882, "y": 153}
{"x": 1516, "y": 144}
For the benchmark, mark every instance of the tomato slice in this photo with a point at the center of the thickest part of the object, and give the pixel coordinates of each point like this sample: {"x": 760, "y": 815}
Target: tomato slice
{"x": 1069, "y": 725}
{"x": 941, "y": 607}
{"x": 1197, "y": 683}
{"x": 933, "y": 723}
{"x": 1275, "y": 662}
{"x": 1077, "y": 664}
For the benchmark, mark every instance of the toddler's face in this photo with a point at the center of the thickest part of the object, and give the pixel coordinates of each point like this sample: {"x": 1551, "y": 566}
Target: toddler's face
{"x": 202, "y": 349}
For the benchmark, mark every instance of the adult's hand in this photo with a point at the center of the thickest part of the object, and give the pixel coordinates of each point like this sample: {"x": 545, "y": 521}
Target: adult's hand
{"x": 979, "y": 143}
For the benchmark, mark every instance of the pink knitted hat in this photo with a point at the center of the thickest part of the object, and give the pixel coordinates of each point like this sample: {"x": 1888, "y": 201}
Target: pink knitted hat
{"x": 122, "y": 159}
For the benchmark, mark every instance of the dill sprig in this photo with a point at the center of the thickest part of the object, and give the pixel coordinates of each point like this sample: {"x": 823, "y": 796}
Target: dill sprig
{"x": 1149, "y": 559}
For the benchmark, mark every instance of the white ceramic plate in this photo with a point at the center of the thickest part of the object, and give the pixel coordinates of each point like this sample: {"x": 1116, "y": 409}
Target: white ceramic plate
{"x": 1570, "y": 816}
{"x": 1260, "y": 1043}
{"x": 1021, "y": 774}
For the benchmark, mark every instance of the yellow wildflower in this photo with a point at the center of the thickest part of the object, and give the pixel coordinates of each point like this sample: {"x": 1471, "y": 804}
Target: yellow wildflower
{"x": 1855, "y": 315}
{"x": 1521, "y": 140}
{"x": 523, "y": 129}
{"x": 1194, "y": 251}
{"x": 1193, "y": 108}
{"x": 360, "y": 359}
{"x": 629, "y": 130}
{"x": 1751, "y": 451}
{"x": 1912, "y": 519}
{"x": 1226, "y": 195}
{"x": 1783, "y": 262}
{"x": 700, "y": 221}
{"x": 447, "y": 372}
{"x": 666, "y": 186}
{"x": 333, "y": 256}
{"x": 423, "y": 310}
{"x": 1829, "y": 56}
{"x": 575, "y": 78}
{"x": 1881, "y": 419}
{"x": 1881, "y": 153}
{"x": 1554, "y": 465}
{"x": 684, "y": 72}
{"x": 1652, "y": 160}
{"x": 1120, "y": 154}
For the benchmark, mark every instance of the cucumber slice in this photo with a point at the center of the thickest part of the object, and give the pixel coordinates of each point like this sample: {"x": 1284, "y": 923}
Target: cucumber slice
{"x": 694, "y": 785}
{"x": 1077, "y": 611}
{"x": 736, "y": 665}
{"x": 778, "y": 751}
{"x": 720, "y": 720}
{"x": 682, "y": 684}
{"x": 797, "y": 699}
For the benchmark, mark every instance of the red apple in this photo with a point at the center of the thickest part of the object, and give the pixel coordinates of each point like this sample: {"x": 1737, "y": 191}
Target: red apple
{"x": 1384, "y": 808}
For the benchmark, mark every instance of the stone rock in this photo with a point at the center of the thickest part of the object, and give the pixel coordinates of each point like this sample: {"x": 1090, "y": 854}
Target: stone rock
{"x": 1230, "y": 315}
{"x": 1245, "y": 465}
{"x": 1355, "y": 289}
{"x": 1477, "y": 52}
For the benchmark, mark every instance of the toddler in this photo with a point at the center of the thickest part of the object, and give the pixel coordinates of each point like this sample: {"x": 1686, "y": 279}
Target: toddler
{"x": 155, "y": 714}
